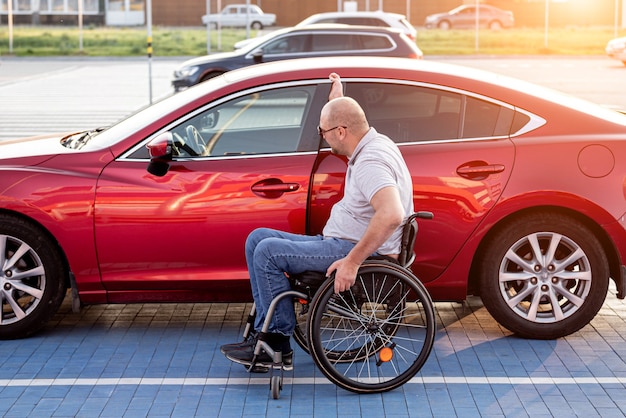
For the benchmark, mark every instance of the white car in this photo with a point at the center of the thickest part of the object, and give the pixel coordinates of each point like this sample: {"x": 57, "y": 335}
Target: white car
{"x": 464, "y": 17}
{"x": 377, "y": 18}
{"x": 239, "y": 15}
{"x": 616, "y": 49}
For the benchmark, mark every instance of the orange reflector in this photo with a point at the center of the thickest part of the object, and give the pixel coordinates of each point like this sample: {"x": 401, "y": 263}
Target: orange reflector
{"x": 385, "y": 354}
{"x": 303, "y": 301}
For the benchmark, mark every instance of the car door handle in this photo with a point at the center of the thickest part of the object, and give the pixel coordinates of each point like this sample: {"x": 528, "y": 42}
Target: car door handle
{"x": 479, "y": 170}
{"x": 273, "y": 188}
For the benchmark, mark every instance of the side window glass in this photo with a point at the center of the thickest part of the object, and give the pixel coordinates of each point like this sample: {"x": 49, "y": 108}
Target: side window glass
{"x": 259, "y": 123}
{"x": 481, "y": 118}
{"x": 408, "y": 113}
{"x": 375, "y": 42}
{"x": 286, "y": 45}
{"x": 322, "y": 42}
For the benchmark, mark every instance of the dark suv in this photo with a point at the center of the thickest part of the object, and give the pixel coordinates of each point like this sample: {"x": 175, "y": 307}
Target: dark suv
{"x": 300, "y": 42}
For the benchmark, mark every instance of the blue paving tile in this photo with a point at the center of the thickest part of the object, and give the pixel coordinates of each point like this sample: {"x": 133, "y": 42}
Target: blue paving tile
{"x": 141, "y": 350}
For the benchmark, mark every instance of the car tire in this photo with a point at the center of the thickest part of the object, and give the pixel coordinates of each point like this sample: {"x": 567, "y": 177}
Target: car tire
{"x": 542, "y": 297}
{"x": 256, "y": 25}
{"x": 444, "y": 25}
{"x": 495, "y": 25}
{"x": 32, "y": 281}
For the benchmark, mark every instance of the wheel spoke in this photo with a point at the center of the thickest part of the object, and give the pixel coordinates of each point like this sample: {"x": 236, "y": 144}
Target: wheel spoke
{"x": 518, "y": 298}
{"x": 10, "y": 263}
{"x": 516, "y": 276}
{"x": 555, "y": 241}
{"x": 556, "y": 307}
{"x": 533, "y": 240}
{"x": 15, "y": 307}
{"x": 575, "y": 275}
{"x": 570, "y": 259}
{"x": 34, "y": 272}
{"x": 534, "y": 306}
{"x": 571, "y": 297}
{"x": 33, "y": 291}
{"x": 515, "y": 258}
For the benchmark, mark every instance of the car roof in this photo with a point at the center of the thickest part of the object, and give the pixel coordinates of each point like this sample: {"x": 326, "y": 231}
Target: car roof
{"x": 341, "y": 27}
{"x": 377, "y": 13}
{"x": 318, "y": 27}
{"x": 394, "y": 67}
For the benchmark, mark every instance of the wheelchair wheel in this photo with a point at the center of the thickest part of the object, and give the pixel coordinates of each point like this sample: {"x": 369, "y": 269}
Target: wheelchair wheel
{"x": 376, "y": 336}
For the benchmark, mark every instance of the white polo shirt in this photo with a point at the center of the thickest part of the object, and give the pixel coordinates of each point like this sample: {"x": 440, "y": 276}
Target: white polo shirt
{"x": 376, "y": 163}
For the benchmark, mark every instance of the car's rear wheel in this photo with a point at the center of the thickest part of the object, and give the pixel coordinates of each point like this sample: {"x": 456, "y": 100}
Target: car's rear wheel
{"x": 445, "y": 25}
{"x": 495, "y": 25}
{"x": 32, "y": 285}
{"x": 256, "y": 25}
{"x": 544, "y": 276}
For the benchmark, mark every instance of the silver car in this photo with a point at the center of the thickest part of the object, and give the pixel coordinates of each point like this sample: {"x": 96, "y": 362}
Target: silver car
{"x": 375, "y": 18}
{"x": 464, "y": 17}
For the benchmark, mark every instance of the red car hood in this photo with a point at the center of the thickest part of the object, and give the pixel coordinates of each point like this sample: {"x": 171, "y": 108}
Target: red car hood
{"x": 36, "y": 149}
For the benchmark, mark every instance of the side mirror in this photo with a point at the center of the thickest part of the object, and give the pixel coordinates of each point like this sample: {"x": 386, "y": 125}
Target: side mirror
{"x": 257, "y": 55}
{"x": 160, "y": 149}
{"x": 209, "y": 121}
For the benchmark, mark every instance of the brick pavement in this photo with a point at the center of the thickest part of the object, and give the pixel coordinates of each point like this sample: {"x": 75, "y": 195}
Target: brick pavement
{"x": 163, "y": 360}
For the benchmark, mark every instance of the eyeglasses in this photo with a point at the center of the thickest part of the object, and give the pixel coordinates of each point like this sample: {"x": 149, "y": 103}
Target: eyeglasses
{"x": 321, "y": 131}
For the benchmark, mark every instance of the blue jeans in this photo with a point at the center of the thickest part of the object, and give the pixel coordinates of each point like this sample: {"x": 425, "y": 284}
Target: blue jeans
{"x": 271, "y": 253}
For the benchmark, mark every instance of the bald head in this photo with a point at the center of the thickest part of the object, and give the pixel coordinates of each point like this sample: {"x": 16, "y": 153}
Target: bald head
{"x": 345, "y": 111}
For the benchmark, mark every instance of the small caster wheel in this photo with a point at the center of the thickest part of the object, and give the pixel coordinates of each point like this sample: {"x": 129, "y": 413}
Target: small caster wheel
{"x": 276, "y": 384}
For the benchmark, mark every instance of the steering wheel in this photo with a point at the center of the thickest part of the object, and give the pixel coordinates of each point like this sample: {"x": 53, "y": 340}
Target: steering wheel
{"x": 195, "y": 140}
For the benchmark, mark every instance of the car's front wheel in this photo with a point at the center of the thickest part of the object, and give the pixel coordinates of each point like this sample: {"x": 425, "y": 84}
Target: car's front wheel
{"x": 544, "y": 276}
{"x": 32, "y": 285}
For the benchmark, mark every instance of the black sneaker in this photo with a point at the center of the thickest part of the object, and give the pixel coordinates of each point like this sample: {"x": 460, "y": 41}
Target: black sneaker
{"x": 248, "y": 342}
{"x": 263, "y": 361}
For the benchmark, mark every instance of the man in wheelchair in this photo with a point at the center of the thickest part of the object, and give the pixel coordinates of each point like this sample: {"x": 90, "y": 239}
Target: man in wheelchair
{"x": 368, "y": 220}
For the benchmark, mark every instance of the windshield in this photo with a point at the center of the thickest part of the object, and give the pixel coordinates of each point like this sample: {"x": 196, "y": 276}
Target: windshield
{"x": 141, "y": 119}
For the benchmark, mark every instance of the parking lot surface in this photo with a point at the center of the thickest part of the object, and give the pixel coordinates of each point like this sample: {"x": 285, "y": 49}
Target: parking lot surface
{"x": 163, "y": 360}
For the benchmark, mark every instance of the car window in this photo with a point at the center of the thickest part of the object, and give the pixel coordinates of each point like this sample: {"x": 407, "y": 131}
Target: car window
{"x": 258, "y": 123}
{"x": 286, "y": 45}
{"x": 321, "y": 42}
{"x": 374, "y": 42}
{"x": 409, "y": 113}
{"x": 481, "y": 118}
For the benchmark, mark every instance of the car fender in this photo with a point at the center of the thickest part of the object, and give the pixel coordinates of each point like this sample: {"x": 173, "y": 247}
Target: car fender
{"x": 460, "y": 277}
{"x": 592, "y": 215}
{"x": 58, "y": 196}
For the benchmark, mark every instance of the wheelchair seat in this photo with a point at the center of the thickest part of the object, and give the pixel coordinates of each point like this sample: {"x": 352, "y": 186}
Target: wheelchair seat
{"x": 309, "y": 281}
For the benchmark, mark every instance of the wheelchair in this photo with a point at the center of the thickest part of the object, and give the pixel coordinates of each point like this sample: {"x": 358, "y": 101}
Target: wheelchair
{"x": 372, "y": 338}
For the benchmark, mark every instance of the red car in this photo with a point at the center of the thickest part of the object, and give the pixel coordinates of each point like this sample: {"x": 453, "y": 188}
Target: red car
{"x": 525, "y": 185}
